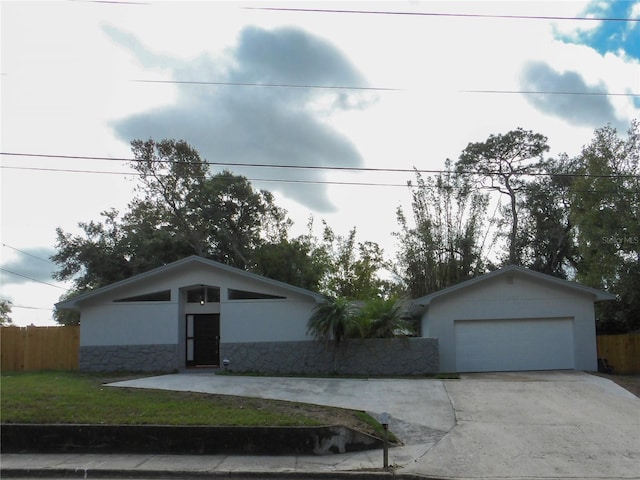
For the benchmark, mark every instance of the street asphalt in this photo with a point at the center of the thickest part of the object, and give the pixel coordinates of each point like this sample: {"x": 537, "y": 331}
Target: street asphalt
{"x": 525, "y": 425}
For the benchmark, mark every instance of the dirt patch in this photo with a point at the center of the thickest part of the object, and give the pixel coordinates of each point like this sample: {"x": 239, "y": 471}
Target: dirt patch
{"x": 629, "y": 382}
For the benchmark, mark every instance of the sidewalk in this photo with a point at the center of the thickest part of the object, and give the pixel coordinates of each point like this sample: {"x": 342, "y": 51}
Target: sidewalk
{"x": 352, "y": 465}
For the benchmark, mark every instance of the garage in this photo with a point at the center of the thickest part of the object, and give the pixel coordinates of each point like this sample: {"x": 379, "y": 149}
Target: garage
{"x": 514, "y": 344}
{"x": 512, "y": 319}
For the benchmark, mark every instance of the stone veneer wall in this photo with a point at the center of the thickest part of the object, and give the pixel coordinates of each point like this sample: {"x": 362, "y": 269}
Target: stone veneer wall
{"x": 408, "y": 356}
{"x": 133, "y": 358}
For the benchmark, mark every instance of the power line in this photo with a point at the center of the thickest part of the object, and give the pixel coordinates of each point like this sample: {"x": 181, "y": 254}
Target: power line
{"x": 551, "y": 92}
{"x": 445, "y": 14}
{"x": 31, "y": 278}
{"x": 252, "y": 179}
{"x": 407, "y": 184}
{"x": 270, "y": 165}
{"x": 383, "y": 89}
{"x": 271, "y": 85}
{"x": 27, "y": 253}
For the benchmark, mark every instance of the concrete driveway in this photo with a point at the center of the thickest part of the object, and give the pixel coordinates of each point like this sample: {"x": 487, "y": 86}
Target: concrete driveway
{"x": 504, "y": 425}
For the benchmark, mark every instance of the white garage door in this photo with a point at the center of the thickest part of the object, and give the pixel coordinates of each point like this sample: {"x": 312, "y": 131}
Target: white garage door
{"x": 511, "y": 345}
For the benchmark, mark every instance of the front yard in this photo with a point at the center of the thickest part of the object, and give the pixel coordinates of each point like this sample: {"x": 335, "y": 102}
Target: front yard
{"x": 75, "y": 398}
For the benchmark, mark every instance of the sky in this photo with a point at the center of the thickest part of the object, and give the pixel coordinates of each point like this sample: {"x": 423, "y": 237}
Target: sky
{"x": 362, "y": 85}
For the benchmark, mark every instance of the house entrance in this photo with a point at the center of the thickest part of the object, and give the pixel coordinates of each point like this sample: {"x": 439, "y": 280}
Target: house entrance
{"x": 203, "y": 340}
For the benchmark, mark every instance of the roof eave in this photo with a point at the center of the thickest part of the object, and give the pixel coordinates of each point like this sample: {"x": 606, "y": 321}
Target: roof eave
{"x": 74, "y": 303}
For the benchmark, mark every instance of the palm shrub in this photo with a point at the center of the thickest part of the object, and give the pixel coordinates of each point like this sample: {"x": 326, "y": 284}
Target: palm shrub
{"x": 331, "y": 322}
{"x": 381, "y": 318}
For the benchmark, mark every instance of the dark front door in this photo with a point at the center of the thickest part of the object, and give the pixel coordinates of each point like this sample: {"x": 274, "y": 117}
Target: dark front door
{"x": 203, "y": 340}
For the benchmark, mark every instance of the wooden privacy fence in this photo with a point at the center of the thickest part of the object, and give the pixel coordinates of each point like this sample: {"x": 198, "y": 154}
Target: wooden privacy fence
{"x": 621, "y": 351}
{"x": 39, "y": 348}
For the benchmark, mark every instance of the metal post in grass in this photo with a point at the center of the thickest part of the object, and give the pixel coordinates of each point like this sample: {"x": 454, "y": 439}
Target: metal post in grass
{"x": 384, "y": 420}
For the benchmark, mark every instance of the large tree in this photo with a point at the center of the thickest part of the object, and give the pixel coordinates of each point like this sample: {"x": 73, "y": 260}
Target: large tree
{"x": 500, "y": 163}
{"x": 546, "y": 236}
{"x": 220, "y": 216}
{"x": 180, "y": 210}
{"x": 605, "y": 208}
{"x": 442, "y": 244}
{"x": 352, "y": 268}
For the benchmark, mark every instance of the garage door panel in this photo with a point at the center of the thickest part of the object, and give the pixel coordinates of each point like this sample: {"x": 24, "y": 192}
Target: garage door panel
{"x": 514, "y": 344}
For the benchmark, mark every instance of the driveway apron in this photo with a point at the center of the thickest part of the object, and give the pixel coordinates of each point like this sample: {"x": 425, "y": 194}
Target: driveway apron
{"x": 538, "y": 425}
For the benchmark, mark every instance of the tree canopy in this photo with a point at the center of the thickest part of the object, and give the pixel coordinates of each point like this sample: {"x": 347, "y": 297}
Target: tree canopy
{"x": 500, "y": 163}
{"x": 572, "y": 217}
{"x": 443, "y": 242}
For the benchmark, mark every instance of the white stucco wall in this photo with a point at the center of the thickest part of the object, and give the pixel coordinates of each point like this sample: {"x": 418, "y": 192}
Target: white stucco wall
{"x": 264, "y": 320}
{"x": 525, "y": 298}
{"x": 144, "y": 323}
{"x": 104, "y": 322}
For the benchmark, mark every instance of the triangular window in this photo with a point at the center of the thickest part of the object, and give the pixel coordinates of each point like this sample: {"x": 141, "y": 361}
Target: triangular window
{"x": 163, "y": 296}
{"x": 246, "y": 295}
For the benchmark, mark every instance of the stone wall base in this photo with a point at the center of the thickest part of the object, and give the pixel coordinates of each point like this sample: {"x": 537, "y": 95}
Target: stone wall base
{"x": 130, "y": 358}
{"x": 394, "y": 356}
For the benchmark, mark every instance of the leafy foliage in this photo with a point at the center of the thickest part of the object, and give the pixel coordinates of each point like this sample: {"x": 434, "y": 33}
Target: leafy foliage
{"x": 381, "y": 318}
{"x": 546, "y": 237}
{"x": 181, "y": 211}
{"x": 575, "y": 218}
{"x": 605, "y": 208}
{"x": 332, "y": 321}
{"x": 445, "y": 244}
{"x": 500, "y": 163}
{"x": 352, "y": 268}
{"x": 5, "y": 313}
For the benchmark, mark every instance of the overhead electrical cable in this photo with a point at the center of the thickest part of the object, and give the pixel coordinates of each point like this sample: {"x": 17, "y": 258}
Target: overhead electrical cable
{"x": 407, "y": 184}
{"x": 552, "y": 92}
{"x": 272, "y": 180}
{"x": 271, "y": 85}
{"x": 27, "y": 253}
{"x": 383, "y": 89}
{"x": 446, "y": 14}
{"x": 270, "y": 165}
{"x": 31, "y": 278}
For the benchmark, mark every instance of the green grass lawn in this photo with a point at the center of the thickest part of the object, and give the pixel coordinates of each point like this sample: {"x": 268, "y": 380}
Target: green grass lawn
{"x": 67, "y": 397}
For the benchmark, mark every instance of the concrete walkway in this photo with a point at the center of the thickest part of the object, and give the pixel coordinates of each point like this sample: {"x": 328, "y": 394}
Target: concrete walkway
{"x": 484, "y": 426}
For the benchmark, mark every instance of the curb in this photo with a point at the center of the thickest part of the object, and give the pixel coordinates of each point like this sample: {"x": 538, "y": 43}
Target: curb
{"x": 172, "y": 474}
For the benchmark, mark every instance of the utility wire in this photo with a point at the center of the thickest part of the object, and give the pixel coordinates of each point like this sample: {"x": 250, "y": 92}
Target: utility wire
{"x": 270, "y": 165}
{"x": 272, "y": 85}
{"x": 444, "y": 14}
{"x": 32, "y": 279}
{"x": 551, "y": 92}
{"x": 272, "y": 180}
{"x": 383, "y": 89}
{"x": 29, "y": 254}
{"x": 407, "y": 184}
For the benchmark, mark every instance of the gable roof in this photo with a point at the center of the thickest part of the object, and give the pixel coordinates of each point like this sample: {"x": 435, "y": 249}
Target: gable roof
{"x": 598, "y": 295}
{"x": 74, "y": 302}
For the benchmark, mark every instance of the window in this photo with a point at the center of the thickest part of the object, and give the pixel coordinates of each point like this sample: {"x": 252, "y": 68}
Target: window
{"x": 245, "y": 295}
{"x": 203, "y": 295}
{"x": 163, "y": 296}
